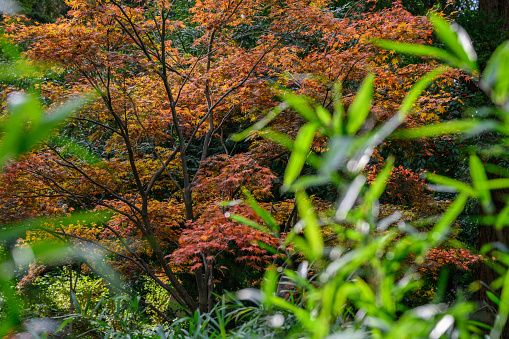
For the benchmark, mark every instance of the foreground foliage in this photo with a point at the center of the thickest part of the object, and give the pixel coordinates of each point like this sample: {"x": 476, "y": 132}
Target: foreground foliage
{"x": 346, "y": 269}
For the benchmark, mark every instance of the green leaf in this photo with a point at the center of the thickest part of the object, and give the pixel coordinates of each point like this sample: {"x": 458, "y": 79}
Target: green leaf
{"x": 301, "y": 105}
{"x": 75, "y": 301}
{"x": 53, "y": 118}
{"x": 63, "y": 324}
{"x": 444, "y": 128}
{"x": 336, "y": 155}
{"x": 26, "y": 125}
{"x": 495, "y": 80}
{"x": 449, "y": 182}
{"x": 250, "y": 223}
{"x": 68, "y": 146}
{"x": 457, "y": 40}
{"x": 377, "y": 188}
{"x": 312, "y": 231}
{"x": 307, "y": 181}
{"x": 438, "y": 233}
{"x": 339, "y": 111}
{"x": 300, "y": 153}
{"x": 416, "y": 90}
{"x": 479, "y": 179}
{"x": 266, "y": 247}
{"x": 260, "y": 124}
{"x": 87, "y": 305}
{"x": 277, "y": 137}
{"x": 419, "y": 50}
{"x": 323, "y": 115}
{"x": 503, "y": 309}
{"x": 99, "y": 303}
{"x": 269, "y": 285}
{"x": 262, "y": 213}
{"x": 360, "y": 107}
{"x": 298, "y": 279}
{"x": 23, "y": 108}
{"x": 493, "y": 297}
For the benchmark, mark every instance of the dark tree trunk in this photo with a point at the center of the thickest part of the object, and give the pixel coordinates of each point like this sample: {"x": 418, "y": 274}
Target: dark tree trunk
{"x": 487, "y": 235}
{"x": 497, "y": 8}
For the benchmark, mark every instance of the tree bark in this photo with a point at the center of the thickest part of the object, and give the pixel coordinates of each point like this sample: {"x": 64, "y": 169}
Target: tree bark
{"x": 486, "y": 235}
{"x": 496, "y": 8}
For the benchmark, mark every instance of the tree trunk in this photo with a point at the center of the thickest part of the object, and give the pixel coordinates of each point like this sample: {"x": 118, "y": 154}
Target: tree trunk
{"x": 486, "y": 235}
{"x": 497, "y": 8}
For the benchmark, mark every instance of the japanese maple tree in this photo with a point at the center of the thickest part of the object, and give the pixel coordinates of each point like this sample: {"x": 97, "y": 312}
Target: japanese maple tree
{"x": 173, "y": 80}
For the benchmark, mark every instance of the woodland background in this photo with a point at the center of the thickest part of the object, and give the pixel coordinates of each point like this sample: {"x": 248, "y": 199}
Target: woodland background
{"x": 158, "y": 212}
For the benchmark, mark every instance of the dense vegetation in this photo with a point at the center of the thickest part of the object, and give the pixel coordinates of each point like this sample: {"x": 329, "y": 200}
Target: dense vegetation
{"x": 159, "y": 155}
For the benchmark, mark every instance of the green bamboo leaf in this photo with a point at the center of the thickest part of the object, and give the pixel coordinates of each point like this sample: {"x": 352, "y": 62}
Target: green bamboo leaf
{"x": 323, "y": 115}
{"x": 300, "y": 153}
{"x": 443, "y": 128}
{"x": 457, "y": 40}
{"x": 53, "y": 118}
{"x": 312, "y": 230}
{"x": 63, "y": 324}
{"x": 277, "y": 137}
{"x": 250, "y": 223}
{"x": 419, "y": 50}
{"x": 360, "y": 107}
{"x": 260, "y": 124}
{"x": 75, "y": 301}
{"x": 479, "y": 180}
{"x": 503, "y": 309}
{"x": 496, "y": 184}
{"x": 339, "y": 111}
{"x": 302, "y": 245}
{"x": 303, "y": 315}
{"x": 99, "y": 303}
{"x": 449, "y": 182}
{"x": 339, "y": 148}
{"x": 266, "y": 247}
{"x": 416, "y": 90}
{"x": 262, "y": 213}
{"x": 307, "y": 181}
{"x": 298, "y": 279}
{"x": 301, "y": 105}
{"x": 269, "y": 285}
{"x": 23, "y": 108}
{"x": 68, "y": 146}
{"x": 441, "y": 228}
{"x": 493, "y": 297}
{"x": 495, "y": 80}
{"x": 377, "y": 188}
{"x": 87, "y": 305}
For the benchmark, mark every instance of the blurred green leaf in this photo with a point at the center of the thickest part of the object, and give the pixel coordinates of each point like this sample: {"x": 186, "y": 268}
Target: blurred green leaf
{"x": 339, "y": 111}
{"x": 300, "y": 153}
{"x": 262, "y": 213}
{"x": 449, "y": 182}
{"x": 301, "y": 105}
{"x": 495, "y": 80}
{"x": 457, "y": 40}
{"x": 442, "y": 227}
{"x": 260, "y": 124}
{"x": 419, "y": 50}
{"x": 312, "y": 231}
{"x": 377, "y": 188}
{"x": 479, "y": 180}
{"x": 249, "y": 222}
{"x": 416, "y": 91}
{"x": 360, "y": 107}
{"x": 323, "y": 115}
{"x": 443, "y": 128}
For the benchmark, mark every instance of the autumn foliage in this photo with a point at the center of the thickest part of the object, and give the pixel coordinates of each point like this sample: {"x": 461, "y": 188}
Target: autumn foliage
{"x": 172, "y": 81}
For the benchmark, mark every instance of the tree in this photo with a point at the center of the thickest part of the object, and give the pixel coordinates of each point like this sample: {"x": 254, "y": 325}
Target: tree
{"x": 173, "y": 80}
